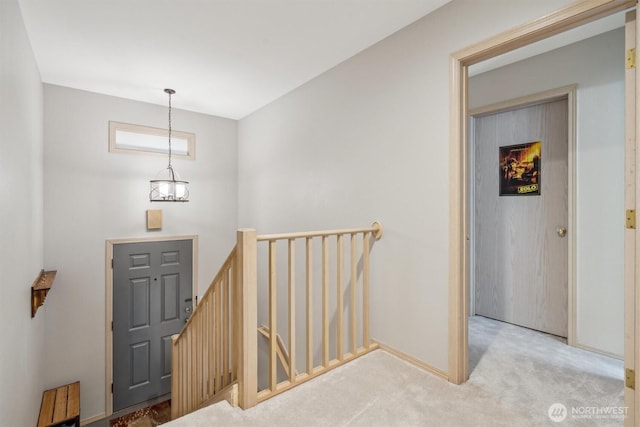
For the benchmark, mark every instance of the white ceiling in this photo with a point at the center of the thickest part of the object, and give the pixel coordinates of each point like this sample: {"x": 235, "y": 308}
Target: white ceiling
{"x": 223, "y": 57}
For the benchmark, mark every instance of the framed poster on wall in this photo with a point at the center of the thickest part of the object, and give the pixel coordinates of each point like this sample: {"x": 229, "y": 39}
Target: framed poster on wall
{"x": 520, "y": 167}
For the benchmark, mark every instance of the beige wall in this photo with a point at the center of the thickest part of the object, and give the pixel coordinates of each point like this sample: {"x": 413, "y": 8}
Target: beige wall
{"x": 92, "y": 195}
{"x": 369, "y": 140}
{"x": 596, "y": 65}
{"x": 21, "y": 246}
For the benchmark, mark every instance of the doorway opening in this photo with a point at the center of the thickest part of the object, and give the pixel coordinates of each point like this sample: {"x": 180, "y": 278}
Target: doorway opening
{"x": 543, "y": 28}
{"x": 547, "y": 26}
{"x": 521, "y": 255}
{"x": 568, "y": 18}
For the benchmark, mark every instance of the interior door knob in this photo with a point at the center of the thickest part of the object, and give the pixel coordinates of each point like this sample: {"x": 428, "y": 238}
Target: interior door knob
{"x": 562, "y": 231}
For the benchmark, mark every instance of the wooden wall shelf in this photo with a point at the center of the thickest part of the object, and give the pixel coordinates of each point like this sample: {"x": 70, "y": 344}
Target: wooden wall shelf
{"x": 40, "y": 289}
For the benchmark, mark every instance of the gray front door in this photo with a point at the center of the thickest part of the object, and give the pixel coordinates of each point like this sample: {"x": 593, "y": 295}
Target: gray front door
{"x": 152, "y": 287}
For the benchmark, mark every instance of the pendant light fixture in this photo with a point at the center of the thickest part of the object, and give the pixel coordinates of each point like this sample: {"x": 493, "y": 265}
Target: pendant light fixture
{"x": 167, "y": 187}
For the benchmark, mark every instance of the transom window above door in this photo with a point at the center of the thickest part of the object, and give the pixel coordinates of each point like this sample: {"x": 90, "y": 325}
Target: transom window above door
{"x": 129, "y": 138}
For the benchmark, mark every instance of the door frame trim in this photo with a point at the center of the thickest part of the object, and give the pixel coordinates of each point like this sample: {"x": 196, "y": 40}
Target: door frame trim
{"x": 570, "y": 94}
{"x": 572, "y": 16}
{"x": 109, "y": 298}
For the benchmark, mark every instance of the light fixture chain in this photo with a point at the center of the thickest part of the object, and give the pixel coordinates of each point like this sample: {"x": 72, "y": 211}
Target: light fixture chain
{"x": 169, "y": 190}
{"x": 170, "y": 134}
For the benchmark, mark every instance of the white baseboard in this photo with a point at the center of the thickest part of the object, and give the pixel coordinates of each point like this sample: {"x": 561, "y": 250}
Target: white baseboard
{"x": 93, "y": 419}
{"x": 595, "y": 350}
{"x": 416, "y": 362}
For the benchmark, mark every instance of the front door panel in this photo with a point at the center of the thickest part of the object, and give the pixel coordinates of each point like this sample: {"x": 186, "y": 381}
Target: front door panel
{"x": 152, "y": 287}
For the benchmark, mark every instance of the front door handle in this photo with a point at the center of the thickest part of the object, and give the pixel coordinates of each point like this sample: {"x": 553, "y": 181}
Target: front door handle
{"x": 562, "y": 231}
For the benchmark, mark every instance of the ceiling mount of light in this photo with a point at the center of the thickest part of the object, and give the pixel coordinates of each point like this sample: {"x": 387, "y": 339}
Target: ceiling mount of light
{"x": 167, "y": 187}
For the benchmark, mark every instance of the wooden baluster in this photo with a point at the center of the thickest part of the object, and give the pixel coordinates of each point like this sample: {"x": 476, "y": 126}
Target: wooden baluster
{"x": 189, "y": 382}
{"x": 195, "y": 326}
{"x": 204, "y": 375}
{"x": 202, "y": 362}
{"x": 210, "y": 345}
{"x": 215, "y": 347}
{"x": 354, "y": 295}
{"x": 206, "y": 346}
{"x": 180, "y": 386}
{"x": 175, "y": 376}
{"x": 365, "y": 290}
{"x": 235, "y": 310}
{"x": 225, "y": 329}
{"x": 211, "y": 360}
{"x": 218, "y": 341}
{"x": 213, "y": 381}
{"x": 273, "y": 343}
{"x": 325, "y": 302}
{"x": 194, "y": 369}
{"x": 211, "y": 339}
{"x": 186, "y": 358}
{"x": 203, "y": 356}
{"x": 309, "y": 273}
{"x": 187, "y": 368}
{"x": 339, "y": 309}
{"x": 202, "y": 309}
{"x": 184, "y": 373}
{"x": 194, "y": 360}
{"x": 292, "y": 310}
{"x": 182, "y": 391}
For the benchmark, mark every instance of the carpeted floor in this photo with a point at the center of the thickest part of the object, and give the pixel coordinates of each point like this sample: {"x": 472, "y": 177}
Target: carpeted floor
{"x": 517, "y": 374}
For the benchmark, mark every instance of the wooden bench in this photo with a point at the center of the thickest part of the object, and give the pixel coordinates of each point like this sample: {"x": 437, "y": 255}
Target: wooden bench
{"x": 60, "y": 406}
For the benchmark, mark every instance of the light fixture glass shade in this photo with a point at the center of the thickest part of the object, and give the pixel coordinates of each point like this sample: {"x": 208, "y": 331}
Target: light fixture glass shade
{"x": 167, "y": 187}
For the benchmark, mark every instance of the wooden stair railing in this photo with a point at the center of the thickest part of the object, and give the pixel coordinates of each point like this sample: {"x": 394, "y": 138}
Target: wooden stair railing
{"x": 202, "y": 361}
{"x": 215, "y": 356}
{"x": 343, "y": 335}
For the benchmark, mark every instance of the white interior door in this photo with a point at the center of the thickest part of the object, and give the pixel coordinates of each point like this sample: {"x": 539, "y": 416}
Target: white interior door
{"x": 521, "y": 216}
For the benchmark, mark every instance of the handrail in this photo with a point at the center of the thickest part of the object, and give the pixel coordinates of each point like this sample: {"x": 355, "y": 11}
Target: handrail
{"x": 375, "y": 229}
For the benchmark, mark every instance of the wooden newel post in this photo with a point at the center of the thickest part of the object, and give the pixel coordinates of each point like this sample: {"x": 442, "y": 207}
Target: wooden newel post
{"x": 246, "y": 318}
